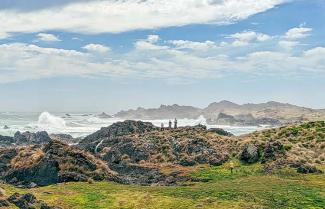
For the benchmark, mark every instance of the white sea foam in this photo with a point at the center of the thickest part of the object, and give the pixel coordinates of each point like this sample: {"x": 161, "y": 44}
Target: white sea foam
{"x": 49, "y": 121}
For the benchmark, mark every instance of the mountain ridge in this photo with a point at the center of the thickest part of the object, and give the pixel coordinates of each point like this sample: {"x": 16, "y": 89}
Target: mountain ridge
{"x": 268, "y": 113}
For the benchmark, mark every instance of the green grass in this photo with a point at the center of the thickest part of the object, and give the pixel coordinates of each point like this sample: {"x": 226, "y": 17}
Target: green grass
{"x": 247, "y": 187}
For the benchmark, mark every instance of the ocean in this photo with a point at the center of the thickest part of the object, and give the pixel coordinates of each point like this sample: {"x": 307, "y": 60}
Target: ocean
{"x": 83, "y": 124}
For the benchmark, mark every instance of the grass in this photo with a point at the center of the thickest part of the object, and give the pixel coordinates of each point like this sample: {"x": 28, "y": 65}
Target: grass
{"x": 247, "y": 187}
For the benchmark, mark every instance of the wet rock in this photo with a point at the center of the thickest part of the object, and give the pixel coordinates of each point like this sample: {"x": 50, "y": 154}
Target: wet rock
{"x": 250, "y": 154}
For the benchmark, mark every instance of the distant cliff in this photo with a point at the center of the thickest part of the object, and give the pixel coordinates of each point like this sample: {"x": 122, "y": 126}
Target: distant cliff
{"x": 229, "y": 113}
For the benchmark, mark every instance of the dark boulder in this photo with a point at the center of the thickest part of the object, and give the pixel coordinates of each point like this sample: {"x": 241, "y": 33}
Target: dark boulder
{"x": 25, "y": 201}
{"x": 307, "y": 168}
{"x": 250, "y": 154}
{"x": 6, "y": 141}
{"x": 28, "y": 138}
{"x": 28, "y": 201}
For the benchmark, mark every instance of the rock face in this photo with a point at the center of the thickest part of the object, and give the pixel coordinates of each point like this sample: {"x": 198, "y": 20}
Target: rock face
{"x": 6, "y": 141}
{"x": 127, "y": 127}
{"x": 250, "y": 154}
{"x": 135, "y": 150}
{"x": 53, "y": 163}
{"x": 25, "y": 138}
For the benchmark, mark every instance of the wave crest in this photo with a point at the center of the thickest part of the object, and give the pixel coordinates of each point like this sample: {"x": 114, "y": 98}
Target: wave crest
{"x": 49, "y": 121}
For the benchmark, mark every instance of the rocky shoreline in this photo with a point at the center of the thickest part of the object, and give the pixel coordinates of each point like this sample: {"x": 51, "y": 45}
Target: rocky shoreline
{"x": 136, "y": 152}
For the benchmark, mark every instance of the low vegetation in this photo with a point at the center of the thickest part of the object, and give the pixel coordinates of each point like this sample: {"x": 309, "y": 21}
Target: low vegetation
{"x": 246, "y": 187}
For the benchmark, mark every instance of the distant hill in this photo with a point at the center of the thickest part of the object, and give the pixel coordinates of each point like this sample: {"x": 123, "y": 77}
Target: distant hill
{"x": 163, "y": 112}
{"x": 229, "y": 113}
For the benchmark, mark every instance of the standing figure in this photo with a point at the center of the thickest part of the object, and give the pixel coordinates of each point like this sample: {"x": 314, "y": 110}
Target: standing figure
{"x": 175, "y": 123}
{"x": 170, "y": 124}
{"x": 162, "y": 127}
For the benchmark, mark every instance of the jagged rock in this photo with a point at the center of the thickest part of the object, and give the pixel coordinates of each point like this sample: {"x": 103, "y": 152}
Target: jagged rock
{"x": 6, "y": 141}
{"x": 44, "y": 173}
{"x": 6, "y": 127}
{"x": 250, "y": 154}
{"x": 26, "y": 201}
{"x": 27, "y": 137}
{"x": 127, "y": 127}
{"x": 53, "y": 163}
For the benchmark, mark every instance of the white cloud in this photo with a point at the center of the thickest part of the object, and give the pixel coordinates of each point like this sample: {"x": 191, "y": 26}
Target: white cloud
{"x": 92, "y": 17}
{"x": 149, "y": 43}
{"x": 246, "y": 37}
{"x": 185, "y": 44}
{"x": 288, "y": 44}
{"x": 96, "y": 48}
{"x": 298, "y": 33}
{"x": 24, "y": 62}
{"x": 47, "y": 37}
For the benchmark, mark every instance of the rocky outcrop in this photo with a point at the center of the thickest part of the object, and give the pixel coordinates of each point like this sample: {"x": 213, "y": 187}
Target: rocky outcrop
{"x": 127, "y": 127}
{"x": 25, "y": 138}
{"x": 6, "y": 141}
{"x": 250, "y": 154}
{"x": 53, "y": 163}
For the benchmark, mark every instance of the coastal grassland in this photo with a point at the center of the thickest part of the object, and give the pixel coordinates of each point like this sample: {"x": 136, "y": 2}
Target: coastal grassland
{"x": 246, "y": 187}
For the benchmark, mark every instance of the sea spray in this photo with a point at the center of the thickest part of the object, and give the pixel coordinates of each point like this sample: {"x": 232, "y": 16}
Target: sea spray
{"x": 48, "y": 121}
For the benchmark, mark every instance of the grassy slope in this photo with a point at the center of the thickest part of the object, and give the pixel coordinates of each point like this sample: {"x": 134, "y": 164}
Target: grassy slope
{"x": 247, "y": 187}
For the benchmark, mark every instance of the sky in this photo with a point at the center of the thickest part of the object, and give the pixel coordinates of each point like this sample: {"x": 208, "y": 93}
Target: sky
{"x": 109, "y": 55}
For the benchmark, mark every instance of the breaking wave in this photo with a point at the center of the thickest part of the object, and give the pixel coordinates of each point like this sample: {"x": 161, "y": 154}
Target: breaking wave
{"x": 48, "y": 121}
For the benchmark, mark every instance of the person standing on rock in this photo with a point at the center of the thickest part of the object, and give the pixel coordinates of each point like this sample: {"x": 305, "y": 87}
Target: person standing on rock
{"x": 175, "y": 123}
{"x": 170, "y": 124}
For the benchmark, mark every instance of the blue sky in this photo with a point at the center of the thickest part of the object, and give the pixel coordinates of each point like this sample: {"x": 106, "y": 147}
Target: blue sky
{"x": 107, "y": 56}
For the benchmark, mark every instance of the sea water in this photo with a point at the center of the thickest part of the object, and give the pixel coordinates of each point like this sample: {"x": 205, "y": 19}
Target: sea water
{"x": 83, "y": 124}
